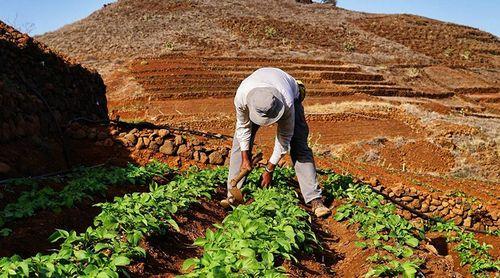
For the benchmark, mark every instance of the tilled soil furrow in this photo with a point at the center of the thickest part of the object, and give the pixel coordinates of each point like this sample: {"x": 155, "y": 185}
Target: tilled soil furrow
{"x": 245, "y": 68}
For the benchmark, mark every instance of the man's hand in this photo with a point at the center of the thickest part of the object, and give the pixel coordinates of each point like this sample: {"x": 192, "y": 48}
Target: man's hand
{"x": 267, "y": 176}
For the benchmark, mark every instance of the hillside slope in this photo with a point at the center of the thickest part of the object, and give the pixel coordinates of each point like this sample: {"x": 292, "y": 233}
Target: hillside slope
{"x": 179, "y": 63}
{"x": 285, "y": 28}
{"x": 40, "y": 92}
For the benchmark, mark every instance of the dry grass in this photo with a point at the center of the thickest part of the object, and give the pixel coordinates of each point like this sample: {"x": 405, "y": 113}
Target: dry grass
{"x": 130, "y": 28}
{"x": 473, "y": 141}
{"x": 349, "y": 106}
{"x": 371, "y": 155}
{"x": 412, "y": 73}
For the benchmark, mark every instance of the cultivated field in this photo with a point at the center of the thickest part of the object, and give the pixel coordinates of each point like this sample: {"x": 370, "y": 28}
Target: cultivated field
{"x": 404, "y": 121}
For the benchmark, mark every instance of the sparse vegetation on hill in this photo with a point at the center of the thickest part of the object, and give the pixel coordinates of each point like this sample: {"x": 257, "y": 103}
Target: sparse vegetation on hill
{"x": 387, "y": 44}
{"x": 136, "y": 28}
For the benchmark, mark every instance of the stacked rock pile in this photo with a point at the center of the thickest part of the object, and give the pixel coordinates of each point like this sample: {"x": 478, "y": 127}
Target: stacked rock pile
{"x": 463, "y": 211}
{"x": 190, "y": 147}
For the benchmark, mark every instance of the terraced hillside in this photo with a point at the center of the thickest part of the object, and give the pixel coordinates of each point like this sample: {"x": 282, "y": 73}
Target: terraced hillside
{"x": 131, "y": 28}
{"x": 189, "y": 77}
{"x": 383, "y": 55}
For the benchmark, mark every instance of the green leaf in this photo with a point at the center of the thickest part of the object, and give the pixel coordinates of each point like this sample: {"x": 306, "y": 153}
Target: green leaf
{"x": 200, "y": 242}
{"x": 25, "y": 268}
{"x": 58, "y": 234}
{"x": 120, "y": 261}
{"x": 409, "y": 270}
{"x": 80, "y": 254}
{"x": 190, "y": 263}
{"x": 360, "y": 244}
{"x": 247, "y": 252}
{"x": 209, "y": 235}
{"x": 339, "y": 216}
{"x": 407, "y": 252}
{"x": 290, "y": 233}
{"x": 412, "y": 242}
{"x": 5, "y": 232}
{"x": 174, "y": 224}
{"x": 107, "y": 274}
{"x": 99, "y": 246}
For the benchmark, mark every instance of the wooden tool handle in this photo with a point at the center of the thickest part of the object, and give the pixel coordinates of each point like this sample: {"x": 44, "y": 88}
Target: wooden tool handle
{"x": 256, "y": 158}
{"x": 243, "y": 173}
{"x": 235, "y": 191}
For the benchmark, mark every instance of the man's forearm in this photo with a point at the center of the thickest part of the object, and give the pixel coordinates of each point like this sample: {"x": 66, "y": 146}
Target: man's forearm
{"x": 271, "y": 166}
{"x": 246, "y": 159}
{"x": 245, "y": 155}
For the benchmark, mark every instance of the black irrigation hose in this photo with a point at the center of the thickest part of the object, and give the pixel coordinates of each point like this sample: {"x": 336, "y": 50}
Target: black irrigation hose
{"x": 148, "y": 125}
{"x": 413, "y": 211}
{"x": 60, "y": 173}
{"x": 53, "y": 174}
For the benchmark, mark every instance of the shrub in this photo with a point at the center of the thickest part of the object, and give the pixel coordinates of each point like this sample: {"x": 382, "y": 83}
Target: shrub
{"x": 270, "y": 32}
{"x": 349, "y": 46}
{"x": 412, "y": 72}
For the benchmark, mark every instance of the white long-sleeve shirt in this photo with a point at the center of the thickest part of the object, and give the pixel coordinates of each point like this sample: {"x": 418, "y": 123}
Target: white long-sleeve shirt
{"x": 287, "y": 86}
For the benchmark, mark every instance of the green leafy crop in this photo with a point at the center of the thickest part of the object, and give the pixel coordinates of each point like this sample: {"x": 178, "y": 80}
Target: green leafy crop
{"x": 470, "y": 251}
{"x": 253, "y": 236}
{"x": 382, "y": 228}
{"x": 82, "y": 184}
{"x": 113, "y": 241}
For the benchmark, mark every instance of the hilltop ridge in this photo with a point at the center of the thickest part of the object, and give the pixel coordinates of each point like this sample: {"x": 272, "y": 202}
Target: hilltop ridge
{"x": 284, "y": 28}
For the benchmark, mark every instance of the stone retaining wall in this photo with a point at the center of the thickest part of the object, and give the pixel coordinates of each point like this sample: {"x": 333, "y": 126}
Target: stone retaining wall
{"x": 32, "y": 77}
{"x": 156, "y": 141}
{"x": 463, "y": 211}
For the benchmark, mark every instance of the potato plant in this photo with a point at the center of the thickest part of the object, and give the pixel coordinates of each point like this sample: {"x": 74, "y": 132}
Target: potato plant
{"x": 382, "y": 228}
{"x": 378, "y": 225}
{"x": 113, "y": 241}
{"x": 82, "y": 184}
{"x": 253, "y": 237}
{"x": 470, "y": 251}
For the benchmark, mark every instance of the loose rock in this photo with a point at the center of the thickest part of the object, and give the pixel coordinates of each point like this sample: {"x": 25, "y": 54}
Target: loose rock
{"x": 216, "y": 158}
{"x": 131, "y": 138}
{"x": 184, "y": 151}
{"x": 168, "y": 148}
{"x": 140, "y": 144}
{"x": 406, "y": 199}
{"x": 179, "y": 140}
{"x": 203, "y": 158}
{"x": 163, "y": 133}
{"x": 468, "y": 222}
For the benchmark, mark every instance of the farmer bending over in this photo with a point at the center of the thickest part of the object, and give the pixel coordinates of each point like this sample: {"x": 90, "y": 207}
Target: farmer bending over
{"x": 268, "y": 96}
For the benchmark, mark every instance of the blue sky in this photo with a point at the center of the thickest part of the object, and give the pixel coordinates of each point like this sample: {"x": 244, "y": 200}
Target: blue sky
{"x": 39, "y": 16}
{"x": 482, "y": 14}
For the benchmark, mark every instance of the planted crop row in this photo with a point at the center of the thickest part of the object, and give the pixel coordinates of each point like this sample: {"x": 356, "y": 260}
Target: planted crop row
{"x": 382, "y": 228}
{"x": 470, "y": 251}
{"x": 113, "y": 241}
{"x": 255, "y": 237}
{"x": 83, "y": 184}
{"x": 379, "y": 226}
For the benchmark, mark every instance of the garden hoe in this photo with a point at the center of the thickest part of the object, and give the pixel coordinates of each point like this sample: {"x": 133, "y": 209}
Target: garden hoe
{"x": 236, "y": 194}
